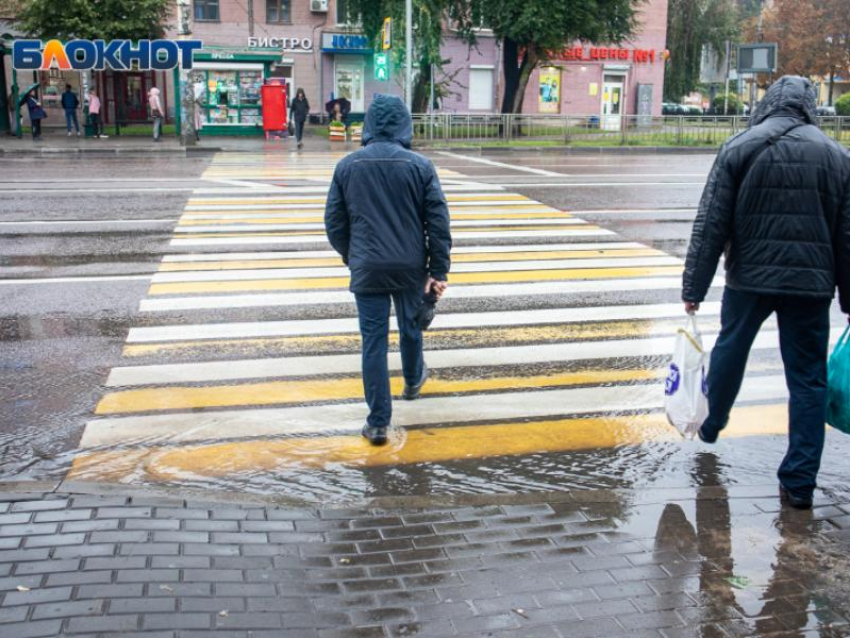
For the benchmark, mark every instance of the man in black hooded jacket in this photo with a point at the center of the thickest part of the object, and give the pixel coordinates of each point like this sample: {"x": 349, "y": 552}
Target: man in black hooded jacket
{"x": 778, "y": 203}
{"x": 387, "y": 217}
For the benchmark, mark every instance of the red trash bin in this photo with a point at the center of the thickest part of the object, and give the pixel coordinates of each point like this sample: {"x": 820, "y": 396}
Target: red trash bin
{"x": 274, "y": 106}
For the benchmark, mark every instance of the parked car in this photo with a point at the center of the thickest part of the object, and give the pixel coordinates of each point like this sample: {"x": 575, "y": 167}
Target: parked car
{"x": 671, "y": 108}
{"x": 826, "y": 111}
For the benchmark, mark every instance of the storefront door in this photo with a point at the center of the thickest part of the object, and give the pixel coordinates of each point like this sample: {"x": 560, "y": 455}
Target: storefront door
{"x": 348, "y": 83}
{"x": 132, "y": 97}
{"x": 612, "y": 103}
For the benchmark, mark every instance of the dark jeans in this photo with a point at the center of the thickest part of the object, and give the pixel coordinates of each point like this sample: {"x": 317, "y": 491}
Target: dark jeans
{"x": 71, "y": 118}
{"x": 299, "y": 130}
{"x": 373, "y": 312}
{"x": 97, "y": 125}
{"x": 804, "y": 341}
{"x": 36, "y": 128}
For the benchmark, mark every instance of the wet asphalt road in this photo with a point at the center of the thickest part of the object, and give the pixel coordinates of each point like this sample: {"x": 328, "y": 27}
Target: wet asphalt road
{"x": 80, "y": 239}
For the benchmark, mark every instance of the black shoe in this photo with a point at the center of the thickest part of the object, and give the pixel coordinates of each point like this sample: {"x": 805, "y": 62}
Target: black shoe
{"x": 411, "y": 393}
{"x": 705, "y": 438}
{"x": 374, "y": 434}
{"x": 797, "y": 502}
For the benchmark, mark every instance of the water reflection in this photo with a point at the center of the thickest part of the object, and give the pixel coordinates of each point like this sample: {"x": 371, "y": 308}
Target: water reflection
{"x": 754, "y": 572}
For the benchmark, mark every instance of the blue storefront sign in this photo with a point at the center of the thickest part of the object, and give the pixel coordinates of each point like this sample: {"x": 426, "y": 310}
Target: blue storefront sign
{"x": 345, "y": 43}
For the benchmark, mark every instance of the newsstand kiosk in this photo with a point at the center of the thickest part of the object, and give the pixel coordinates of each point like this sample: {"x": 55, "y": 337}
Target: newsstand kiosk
{"x": 274, "y": 107}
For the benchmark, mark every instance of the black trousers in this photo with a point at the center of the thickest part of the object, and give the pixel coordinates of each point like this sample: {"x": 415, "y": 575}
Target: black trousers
{"x": 804, "y": 342}
{"x": 36, "y": 128}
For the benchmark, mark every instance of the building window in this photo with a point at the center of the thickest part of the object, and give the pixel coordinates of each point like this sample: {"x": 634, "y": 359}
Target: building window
{"x": 342, "y": 12}
{"x": 481, "y": 89}
{"x": 206, "y": 10}
{"x": 278, "y": 11}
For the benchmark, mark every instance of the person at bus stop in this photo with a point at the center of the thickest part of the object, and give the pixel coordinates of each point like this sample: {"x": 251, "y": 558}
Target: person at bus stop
{"x": 70, "y": 104}
{"x": 94, "y": 114}
{"x": 387, "y": 217}
{"x": 778, "y": 203}
{"x": 36, "y": 113}
{"x": 298, "y": 112}
{"x": 156, "y": 113}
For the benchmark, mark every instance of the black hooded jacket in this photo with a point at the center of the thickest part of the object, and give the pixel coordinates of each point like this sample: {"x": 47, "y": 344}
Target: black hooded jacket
{"x": 778, "y": 204}
{"x": 386, "y": 213}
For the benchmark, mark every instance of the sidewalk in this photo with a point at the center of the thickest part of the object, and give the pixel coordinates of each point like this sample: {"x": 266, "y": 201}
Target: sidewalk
{"x": 710, "y": 562}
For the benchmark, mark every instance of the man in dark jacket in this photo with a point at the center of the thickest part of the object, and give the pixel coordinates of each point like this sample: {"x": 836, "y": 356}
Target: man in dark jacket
{"x": 70, "y": 104}
{"x": 387, "y": 217}
{"x": 778, "y": 203}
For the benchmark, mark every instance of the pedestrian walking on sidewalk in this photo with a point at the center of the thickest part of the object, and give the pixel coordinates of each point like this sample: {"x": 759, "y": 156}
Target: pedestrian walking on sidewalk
{"x": 36, "y": 113}
{"x": 298, "y": 112}
{"x": 387, "y": 217}
{"x": 778, "y": 203}
{"x": 94, "y": 114}
{"x": 70, "y": 103}
{"x": 156, "y": 113}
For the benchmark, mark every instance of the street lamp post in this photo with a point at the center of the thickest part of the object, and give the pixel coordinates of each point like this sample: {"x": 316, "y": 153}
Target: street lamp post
{"x": 188, "y": 136}
{"x": 408, "y": 55}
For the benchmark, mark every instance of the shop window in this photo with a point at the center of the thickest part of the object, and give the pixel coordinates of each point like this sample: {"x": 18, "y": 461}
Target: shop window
{"x": 206, "y": 10}
{"x": 229, "y": 97}
{"x": 278, "y": 11}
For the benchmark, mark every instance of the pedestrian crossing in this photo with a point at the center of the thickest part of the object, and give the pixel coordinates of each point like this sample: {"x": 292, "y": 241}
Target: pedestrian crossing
{"x": 246, "y": 357}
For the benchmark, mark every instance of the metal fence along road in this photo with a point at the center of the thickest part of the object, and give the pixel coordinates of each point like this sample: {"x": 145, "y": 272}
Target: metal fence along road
{"x": 593, "y": 130}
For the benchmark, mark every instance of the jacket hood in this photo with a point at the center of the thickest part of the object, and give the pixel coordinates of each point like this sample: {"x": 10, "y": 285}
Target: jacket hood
{"x": 154, "y": 91}
{"x": 791, "y": 95}
{"x": 388, "y": 120}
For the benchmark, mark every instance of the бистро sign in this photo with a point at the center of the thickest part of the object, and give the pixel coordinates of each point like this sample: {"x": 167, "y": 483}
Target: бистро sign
{"x": 98, "y": 55}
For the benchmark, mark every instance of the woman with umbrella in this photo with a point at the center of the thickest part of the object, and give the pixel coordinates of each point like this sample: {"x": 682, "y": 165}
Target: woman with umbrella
{"x": 36, "y": 111}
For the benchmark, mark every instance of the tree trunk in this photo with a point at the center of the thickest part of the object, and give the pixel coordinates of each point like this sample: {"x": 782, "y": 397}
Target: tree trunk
{"x": 831, "y": 84}
{"x": 510, "y": 67}
{"x": 422, "y": 89}
{"x": 529, "y": 62}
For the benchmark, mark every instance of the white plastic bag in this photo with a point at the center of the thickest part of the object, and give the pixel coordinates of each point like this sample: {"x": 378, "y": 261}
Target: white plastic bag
{"x": 685, "y": 389}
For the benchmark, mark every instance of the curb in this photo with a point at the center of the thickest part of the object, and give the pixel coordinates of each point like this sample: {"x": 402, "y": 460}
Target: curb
{"x": 646, "y": 496}
{"x": 141, "y": 150}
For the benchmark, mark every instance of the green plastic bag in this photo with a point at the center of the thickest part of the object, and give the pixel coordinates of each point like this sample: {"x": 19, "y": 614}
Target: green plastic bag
{"x": 838, "y": 396}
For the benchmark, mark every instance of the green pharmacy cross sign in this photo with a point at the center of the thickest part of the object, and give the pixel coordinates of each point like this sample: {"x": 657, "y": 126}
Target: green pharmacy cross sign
{"x": 382, "y": 68}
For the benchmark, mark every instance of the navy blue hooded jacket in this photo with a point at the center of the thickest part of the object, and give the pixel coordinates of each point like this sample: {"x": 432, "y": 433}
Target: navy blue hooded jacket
{"x": 777, "y": 203}
{"x": 386, "y": 214}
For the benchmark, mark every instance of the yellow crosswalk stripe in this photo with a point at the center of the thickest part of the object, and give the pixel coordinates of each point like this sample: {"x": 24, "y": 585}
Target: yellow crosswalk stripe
{"x": 427, "y": 445}
{"x": 579, "y": 228}
{"x": 456, "y": 258}
{"x": 450, "y": 197}
{"x": 458, "y": 278}
{"x": 435, "y": 339}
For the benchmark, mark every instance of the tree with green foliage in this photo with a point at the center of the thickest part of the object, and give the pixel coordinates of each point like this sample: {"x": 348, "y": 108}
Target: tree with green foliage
{"x": 842, "y": 105}
{"x": 691, "y": 25}
{"x": 534, "y": 32}
{"x": 93, "y": 19}
{"x": 429, "y": 19}
{"x": 732, "y": 103}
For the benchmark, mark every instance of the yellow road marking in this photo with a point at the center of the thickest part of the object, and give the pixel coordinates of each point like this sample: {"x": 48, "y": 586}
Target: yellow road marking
{"x": 456, "y": 258}
{"x": 283, "y": 392}
{"x": 436, "y": 339}
{"x": 497, "y": 197}
{"x": 429, "y": 445}
{"x": 324, "y": 283}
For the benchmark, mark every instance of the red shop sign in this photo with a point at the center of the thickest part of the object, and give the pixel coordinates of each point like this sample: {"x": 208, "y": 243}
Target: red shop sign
{"x": 593, "y": 54}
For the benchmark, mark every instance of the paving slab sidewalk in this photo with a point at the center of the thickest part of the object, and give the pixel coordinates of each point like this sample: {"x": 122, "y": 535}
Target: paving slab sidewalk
{"x": 710, "y": 562}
